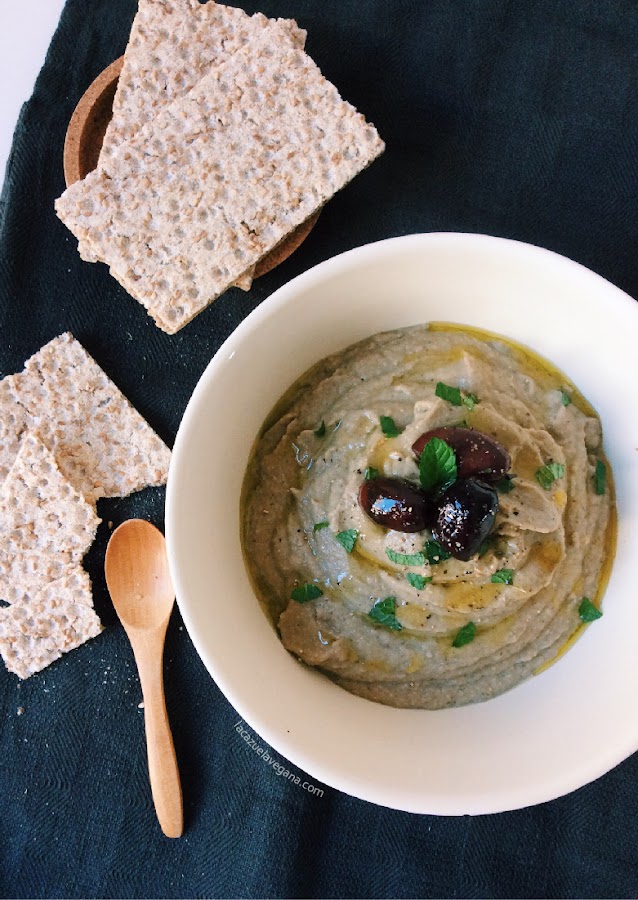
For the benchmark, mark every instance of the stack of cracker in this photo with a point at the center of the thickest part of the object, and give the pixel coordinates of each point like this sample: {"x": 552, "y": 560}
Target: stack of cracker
{"x": 225, "y": 138}
{"x": 68, "y": 436}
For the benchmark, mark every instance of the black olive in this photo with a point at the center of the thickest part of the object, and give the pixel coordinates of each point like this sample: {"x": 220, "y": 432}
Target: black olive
{"x": 466, "y": 513}
{"x": 476, "y": 453}
{"x": 396, "y": 503}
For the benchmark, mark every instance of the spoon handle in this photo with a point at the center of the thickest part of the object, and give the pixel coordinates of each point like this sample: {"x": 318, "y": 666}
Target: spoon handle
{"x": 162, "y": 762}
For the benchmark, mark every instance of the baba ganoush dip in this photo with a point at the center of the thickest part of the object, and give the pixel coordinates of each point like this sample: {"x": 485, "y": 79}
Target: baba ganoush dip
{"x": 507, "y": 561}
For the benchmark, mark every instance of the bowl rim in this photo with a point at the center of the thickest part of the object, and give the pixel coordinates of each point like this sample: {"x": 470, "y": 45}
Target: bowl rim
{"x": 582, "y": 772}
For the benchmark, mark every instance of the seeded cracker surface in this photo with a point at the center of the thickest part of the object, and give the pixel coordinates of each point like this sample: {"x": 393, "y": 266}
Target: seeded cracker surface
{"x": 46, "y": 526}
{"x": 173, "y": 44}
{"x": 100, "y": 442}
{"x": 39, "y": 509}
{"x": 260, "y": 143}
{"x": 57, "y": 619}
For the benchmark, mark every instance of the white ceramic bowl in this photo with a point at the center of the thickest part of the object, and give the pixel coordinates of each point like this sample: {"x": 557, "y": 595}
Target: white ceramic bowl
{"x": 546, "y": 737}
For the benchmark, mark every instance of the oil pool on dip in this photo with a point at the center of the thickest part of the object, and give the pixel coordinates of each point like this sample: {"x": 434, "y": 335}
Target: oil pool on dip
{"x": 428, "y": 516}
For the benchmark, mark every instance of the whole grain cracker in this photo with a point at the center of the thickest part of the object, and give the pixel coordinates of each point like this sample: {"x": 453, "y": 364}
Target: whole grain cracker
{"x": 101, "y": 443}
{"x": 57, "y": 619}
{"x": 25, "y": 572}
{"x": 225, "y": 173}
{"x": 172, "y": 45}
{"x": 40, "y": 510}
{"x": 12, "y": 422}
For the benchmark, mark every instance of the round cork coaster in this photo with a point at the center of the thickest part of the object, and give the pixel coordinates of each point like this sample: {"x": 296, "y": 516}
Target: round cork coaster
{"x": 85, "y": 135}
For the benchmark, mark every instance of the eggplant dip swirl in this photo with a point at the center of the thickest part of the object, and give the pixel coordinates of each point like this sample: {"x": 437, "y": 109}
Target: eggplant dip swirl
{"x": 428, "y": 516}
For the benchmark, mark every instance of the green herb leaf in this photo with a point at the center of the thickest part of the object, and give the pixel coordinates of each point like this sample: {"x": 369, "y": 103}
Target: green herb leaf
{"x": 470, "y": 400}
{"x": 565, "y": 398}
{"x": 486, "y": 545}
{"x": 465, "y": 635}
{"x": 503, "y": 576}
{"x": 434, "y": 552}
{"x": 383, "y": 612}
{"x": 370, "y": 473}
{"x": 547, "y": 475}
{"x": 451, "y": 394}
{"x": 389, "y": 426}
{"x": 600, "y": 477}
{"x": 405, "y": 559}
{"x": 321, "y": 430}
{"x": 437, "y": 465}
{"x": 306, "y": 592}
{"x": 418, "y": 581}
{"x": 505, "y": 485}
{"x": 587, "y": 611}
{"x": 319, "y": 525}
{"x": 348, "y": 539}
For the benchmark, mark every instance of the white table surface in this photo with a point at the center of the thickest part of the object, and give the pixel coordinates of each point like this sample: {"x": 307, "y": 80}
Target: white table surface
{"x": 26, "y": 29}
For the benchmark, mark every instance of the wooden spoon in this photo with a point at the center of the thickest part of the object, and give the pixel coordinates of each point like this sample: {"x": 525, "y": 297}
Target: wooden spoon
{"x": 140, "y": 585}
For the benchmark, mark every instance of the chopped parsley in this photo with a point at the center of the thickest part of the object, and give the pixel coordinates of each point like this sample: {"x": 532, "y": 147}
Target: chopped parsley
{"x": 465, "y": 635}
{"x": 319, "y": 525}
{"x": 405, "y": 559}
{"x": 434, "y": 552}
{"x": 600, "y": 477}
{"x": 383, "y": 613}
{"x": 389, "y": 426}
{"x": 370, "y": 473}
{"x": 348, "y": 539}
{"x": 321, "y": 430}
{"x": 470, "y": 400}
{"x": 547, "y": 475}
{"x": 505, "y": 485}
{"x": 565, "y": 398}
{"x": 587, "y": 611}
{"x": 306, "y": 592}
{"x": 418, "y": 581}
{"x": 451, "y": 394}
{"x": 503, "y": 576}
{"x": 437, "y": 466}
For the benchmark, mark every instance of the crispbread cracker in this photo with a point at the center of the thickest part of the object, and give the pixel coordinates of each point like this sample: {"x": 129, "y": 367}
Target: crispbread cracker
{"x": 257, "y": 146}
{"x": 25, "y": 572}
{"x": 40, "y": 511}
{"x": 57, "y": 619}
{"x": 101, "y": 443}
{"x": 12, "y": 422}
{"x": 173, "y": 44}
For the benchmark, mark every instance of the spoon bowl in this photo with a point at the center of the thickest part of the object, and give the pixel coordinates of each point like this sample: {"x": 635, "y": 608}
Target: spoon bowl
{"x": 138, "y": 576}
{"x": 140, "y": 586}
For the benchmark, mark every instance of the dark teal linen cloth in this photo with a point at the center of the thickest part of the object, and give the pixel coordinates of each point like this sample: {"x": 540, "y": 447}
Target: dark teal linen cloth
{"x": 516, "y": 118}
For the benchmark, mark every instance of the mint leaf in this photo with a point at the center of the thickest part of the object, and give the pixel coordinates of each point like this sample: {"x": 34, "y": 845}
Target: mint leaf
{"x": 321, "y": 430}
{"x": 348, "y": 539}
{"x": 389, "y": 426}
{"x": 437, "y": 465}
{"x": 434, "y": 552}
{"x": 451, "y": 394}
{"x": 465, "y": 635}
{"x": 470, "y": 400}
{"x": 587, "y": 611}
{"x": 405, "y": 559}
{"x": 418, "y": 581}
{"x": 383, "y": 613}
{"x": 565, "y": 398}
{"x": 370, "y": 473}
{"x": 319, "y": 525}
{"x": 505, "y": 485}
{"x": 600, "y": 477}
{"x": 306, "y": 592}
{"x": 547, "y": 475}
{"x": 503, "y": 576}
